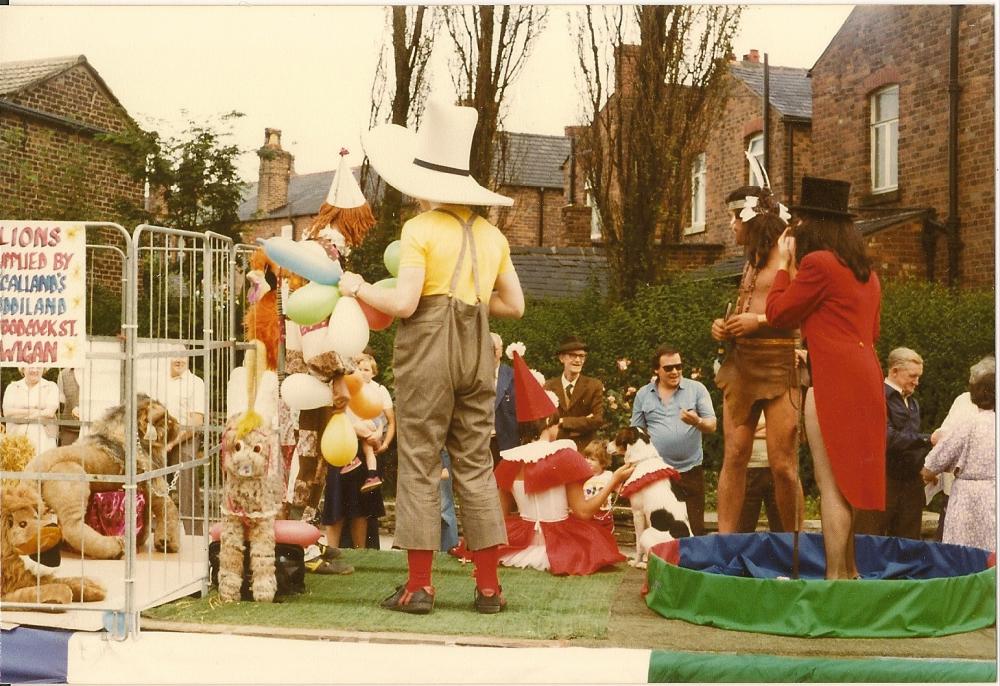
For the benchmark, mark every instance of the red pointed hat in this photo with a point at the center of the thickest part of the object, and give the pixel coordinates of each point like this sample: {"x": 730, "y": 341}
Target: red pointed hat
{"x": 530, "y": 399}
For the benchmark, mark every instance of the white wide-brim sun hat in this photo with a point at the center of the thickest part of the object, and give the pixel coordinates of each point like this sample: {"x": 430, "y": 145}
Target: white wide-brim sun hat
{"x": 432, "y": 163}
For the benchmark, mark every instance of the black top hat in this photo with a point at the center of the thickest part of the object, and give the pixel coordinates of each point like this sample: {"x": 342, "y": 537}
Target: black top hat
{"x": 569, "y": 344}
{"x": 824, "y": 196}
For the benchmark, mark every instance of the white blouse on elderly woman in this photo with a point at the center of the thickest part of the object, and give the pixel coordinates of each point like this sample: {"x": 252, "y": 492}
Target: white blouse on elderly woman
{"x": 33, "y": 402}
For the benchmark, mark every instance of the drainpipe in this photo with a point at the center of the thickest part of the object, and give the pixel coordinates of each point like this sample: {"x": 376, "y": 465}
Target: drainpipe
{"x": 541, "y": 217}
{"x": 789, "y": 164}
{"x": 572, "y": 171}
{"x": 767, "y": 117}
{"x": 953, "y": 223}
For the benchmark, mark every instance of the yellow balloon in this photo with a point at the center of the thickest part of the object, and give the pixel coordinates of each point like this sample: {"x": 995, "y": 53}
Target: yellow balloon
{"x": 339, "y": 444}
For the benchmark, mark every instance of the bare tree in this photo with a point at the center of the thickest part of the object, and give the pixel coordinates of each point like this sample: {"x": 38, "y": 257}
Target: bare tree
{"x": 404, "y": 58}
{"x": 492, "y": 44}
{"x": 653, "y": 77}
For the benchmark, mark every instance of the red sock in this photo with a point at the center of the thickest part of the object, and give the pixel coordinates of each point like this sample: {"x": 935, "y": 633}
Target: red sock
{"x": 486, "y": 561}
{"x": 419, "y": 563}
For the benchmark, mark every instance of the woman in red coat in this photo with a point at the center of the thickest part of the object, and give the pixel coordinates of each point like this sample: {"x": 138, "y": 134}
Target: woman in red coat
{"x": 834, "y": 296}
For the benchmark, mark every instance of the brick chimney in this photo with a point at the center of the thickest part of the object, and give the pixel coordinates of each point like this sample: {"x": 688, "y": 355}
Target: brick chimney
{"x": 753, "y": 56}
{"x": 626, "y": 66}
{"x": 276, "y": 168}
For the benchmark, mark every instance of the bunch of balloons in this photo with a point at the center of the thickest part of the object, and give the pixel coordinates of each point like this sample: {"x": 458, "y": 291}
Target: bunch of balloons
{"x": 348, "y": 325}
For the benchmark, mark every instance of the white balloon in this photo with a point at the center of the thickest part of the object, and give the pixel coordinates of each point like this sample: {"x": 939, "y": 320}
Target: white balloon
{"x": 305, "y": 392}
{"x": 314, "y": 342}
{"x": 347, "y": 332}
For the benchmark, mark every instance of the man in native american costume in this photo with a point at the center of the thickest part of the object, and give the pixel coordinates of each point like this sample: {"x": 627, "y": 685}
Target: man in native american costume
{"x": 759, "y": 372}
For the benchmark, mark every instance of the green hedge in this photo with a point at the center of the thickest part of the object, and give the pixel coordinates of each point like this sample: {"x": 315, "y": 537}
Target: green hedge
{"x": 950, "y": 329}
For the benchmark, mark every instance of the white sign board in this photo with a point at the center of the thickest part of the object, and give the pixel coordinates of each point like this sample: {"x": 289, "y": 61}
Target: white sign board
{"x": 43, "y": 311}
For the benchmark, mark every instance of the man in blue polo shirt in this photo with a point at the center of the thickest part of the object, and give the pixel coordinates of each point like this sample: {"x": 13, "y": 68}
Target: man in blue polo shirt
{"x": 676, "y": 412}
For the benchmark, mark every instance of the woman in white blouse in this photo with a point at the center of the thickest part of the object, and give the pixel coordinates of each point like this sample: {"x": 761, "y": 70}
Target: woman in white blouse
{"x": 33, "y": 398}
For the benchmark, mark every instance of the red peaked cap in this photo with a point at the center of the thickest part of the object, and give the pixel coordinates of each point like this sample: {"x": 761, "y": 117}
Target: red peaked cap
{"x": 530, "y": 399}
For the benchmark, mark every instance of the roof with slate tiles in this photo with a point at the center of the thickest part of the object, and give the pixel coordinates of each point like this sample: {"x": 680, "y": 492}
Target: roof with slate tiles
{"x": 535, "y": 160}
{"x": 790, "y": 87}
{"x": 306, "y": 192}
{"x": 23, "y": 74}
{"x": 578, "y": 269}
{"x": 16, "y": 76}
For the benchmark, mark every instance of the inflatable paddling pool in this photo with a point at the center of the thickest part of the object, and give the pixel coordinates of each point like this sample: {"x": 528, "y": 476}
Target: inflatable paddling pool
{"x": 908, "y": 588}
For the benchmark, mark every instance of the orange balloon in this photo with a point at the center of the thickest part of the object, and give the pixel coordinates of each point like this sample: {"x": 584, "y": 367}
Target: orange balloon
{"x": 366, "y": 404}
{"x": 354, "y": 383}
{"x": 339, "y": 444}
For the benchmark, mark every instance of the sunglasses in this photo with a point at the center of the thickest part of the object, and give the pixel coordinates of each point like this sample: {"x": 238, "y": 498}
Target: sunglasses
{"x": 672, "y": 367}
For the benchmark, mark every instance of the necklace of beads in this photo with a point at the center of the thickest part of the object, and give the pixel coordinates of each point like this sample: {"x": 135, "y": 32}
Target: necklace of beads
{"x": 746, "y": 290}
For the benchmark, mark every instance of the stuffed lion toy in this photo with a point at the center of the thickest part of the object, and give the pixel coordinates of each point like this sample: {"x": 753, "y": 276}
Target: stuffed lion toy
{"x": 20, "y": 509}
{"x": 103, "y": 452}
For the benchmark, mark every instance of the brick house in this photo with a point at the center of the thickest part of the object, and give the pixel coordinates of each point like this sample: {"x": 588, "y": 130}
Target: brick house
{"x": 881, "y": 103}
{"x": 722, "y": 166}
{"x": 533, "y": 176}
{"x": 50, "y": 112}
{"x": 51, "y": 164}
{"x": 541, "y": 226}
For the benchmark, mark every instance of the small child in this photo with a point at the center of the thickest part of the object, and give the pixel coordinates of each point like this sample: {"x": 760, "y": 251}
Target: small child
{"x": 596, "y": 453}
{"x": 368, "y": 428}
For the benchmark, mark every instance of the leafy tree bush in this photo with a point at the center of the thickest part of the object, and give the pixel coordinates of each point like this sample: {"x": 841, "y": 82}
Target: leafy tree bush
{"x": 950, "y": 329}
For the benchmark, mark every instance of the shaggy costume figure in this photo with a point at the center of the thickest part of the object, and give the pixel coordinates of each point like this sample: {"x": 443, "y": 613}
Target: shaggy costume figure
{"x": 343, "y": 220}
{"x": 20, "y": 508}
{"x": 103, "y": 452}
{"x": 251, "y": 495}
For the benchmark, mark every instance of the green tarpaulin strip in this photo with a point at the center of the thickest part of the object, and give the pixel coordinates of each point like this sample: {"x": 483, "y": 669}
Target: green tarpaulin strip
{"x": 667, "y": 667}
{"x": 863, "y": 608}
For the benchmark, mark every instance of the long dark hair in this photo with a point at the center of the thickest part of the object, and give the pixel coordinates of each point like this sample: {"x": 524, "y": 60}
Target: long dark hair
{"x": 839, "y": 236}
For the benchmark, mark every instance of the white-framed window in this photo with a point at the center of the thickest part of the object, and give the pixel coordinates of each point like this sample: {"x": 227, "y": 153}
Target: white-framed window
{"x": 756, "y": 149}
{"x": 698, "y": 172}
{"x": 885, "y": 139}
{"x": 595, "y": 215}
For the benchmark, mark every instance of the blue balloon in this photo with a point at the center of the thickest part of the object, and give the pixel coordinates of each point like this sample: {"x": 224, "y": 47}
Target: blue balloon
{"x": 308, "y": 259}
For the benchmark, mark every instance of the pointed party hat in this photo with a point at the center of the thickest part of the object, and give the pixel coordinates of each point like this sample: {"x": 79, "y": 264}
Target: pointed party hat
{"x": 345, "y": 208}
{"x": 530, "y": 399}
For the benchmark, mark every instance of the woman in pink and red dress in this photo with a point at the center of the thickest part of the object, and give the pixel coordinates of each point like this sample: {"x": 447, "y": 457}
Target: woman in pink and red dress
{"x": 552, "y": 528}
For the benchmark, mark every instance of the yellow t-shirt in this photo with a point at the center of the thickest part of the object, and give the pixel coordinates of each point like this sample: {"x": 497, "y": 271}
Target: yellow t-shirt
{"x": 433, "y": 240}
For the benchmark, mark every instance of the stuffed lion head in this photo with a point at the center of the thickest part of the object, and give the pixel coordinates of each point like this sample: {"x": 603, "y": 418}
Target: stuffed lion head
{"x": 21, "y": 505}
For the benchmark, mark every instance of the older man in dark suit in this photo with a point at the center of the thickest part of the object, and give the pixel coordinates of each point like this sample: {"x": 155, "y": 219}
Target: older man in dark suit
{"x": 581, "y": 398}
{"x": 906, "y": 447}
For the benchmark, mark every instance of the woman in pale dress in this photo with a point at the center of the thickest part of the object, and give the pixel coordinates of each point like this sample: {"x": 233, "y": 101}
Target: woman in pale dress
{"x": 970, "y": 450}
{"x": 33, "y": 397}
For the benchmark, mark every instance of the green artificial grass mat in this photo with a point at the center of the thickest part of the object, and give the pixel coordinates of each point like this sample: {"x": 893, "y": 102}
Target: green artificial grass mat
{"x": 540, "y": 606}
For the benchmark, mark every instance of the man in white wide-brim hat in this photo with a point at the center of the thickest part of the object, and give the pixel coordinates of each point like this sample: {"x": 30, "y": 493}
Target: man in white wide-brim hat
{"x": 454, "y": 272}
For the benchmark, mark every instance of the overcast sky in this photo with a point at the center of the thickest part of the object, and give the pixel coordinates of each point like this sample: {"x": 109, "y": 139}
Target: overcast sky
{"x": 307, "y": 70}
